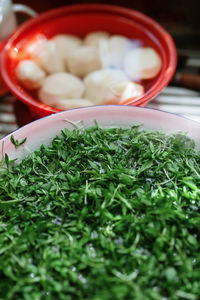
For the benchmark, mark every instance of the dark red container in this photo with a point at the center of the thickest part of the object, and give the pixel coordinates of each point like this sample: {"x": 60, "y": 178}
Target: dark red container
{"x": 80, "y": 20}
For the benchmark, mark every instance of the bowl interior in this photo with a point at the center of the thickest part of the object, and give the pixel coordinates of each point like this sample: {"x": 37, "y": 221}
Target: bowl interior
{"x": 80, "y": 20}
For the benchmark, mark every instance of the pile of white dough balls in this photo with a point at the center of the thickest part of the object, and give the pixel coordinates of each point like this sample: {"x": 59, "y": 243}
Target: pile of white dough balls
{"x": 70, "y": 72}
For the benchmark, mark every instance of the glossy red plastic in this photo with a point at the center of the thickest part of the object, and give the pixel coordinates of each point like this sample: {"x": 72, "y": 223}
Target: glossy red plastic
{"x": 80, "y": 20}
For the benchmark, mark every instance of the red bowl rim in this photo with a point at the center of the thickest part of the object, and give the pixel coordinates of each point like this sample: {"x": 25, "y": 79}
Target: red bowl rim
{"x": 43, "y": 109}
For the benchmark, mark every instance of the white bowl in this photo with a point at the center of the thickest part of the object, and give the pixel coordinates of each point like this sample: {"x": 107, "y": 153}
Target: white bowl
{"x": 42, "y": 131}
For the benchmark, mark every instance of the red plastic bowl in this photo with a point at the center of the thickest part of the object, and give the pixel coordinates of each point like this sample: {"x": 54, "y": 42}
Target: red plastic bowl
{"x": 80, "y": 20}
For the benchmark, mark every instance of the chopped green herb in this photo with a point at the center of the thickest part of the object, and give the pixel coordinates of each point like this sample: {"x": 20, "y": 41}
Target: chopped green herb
{"x": 16, "y": 143}
{"x": 102, "y": 214}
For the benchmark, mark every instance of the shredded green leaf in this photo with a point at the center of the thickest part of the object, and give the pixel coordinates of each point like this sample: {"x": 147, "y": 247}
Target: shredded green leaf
{"x": 102, "y": 214}
{"x": 16, "y": 143}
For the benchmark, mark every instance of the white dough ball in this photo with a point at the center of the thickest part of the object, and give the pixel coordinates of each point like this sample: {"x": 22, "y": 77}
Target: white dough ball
{"x": 118, "y": 46}
{"x": 123, "y": 90}
{"x": 60, "y": 86}
{"x": 47, "y": 56}
{"x": 73, "y": 103}
{"x": 84, "y": 60}
{"x": 93, "y": 38}
{"x": 114, "y": 49}
{"x": 98, "y": 83}
{"x": 105, "y": 55}
{"x": 66, "y": 44}
{"x": 142, "y": 63}
{"x": 30, "y": 74}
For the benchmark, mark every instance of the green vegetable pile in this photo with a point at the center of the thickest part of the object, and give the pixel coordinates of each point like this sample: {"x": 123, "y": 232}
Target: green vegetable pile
{"x": 102, "y": 214}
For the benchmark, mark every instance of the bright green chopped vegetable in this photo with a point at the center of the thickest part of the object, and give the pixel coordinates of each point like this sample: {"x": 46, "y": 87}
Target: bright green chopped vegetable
{"x": 16, "y": 143}
{"x": 102, "y": 214}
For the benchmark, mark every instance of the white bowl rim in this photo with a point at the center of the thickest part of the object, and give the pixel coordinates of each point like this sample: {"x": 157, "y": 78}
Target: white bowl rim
{"x": 161, "y": 120}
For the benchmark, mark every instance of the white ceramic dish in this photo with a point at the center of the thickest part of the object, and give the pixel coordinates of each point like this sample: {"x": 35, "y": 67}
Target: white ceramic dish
{"x": 44, "y": 130}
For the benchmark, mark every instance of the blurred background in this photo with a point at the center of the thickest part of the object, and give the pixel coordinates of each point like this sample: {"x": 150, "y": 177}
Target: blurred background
{"x": 180, "y": 17}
